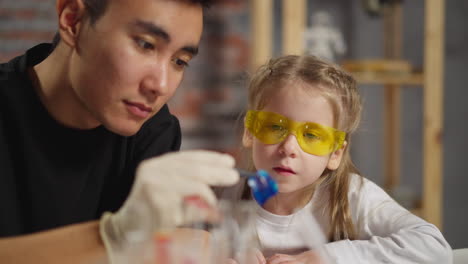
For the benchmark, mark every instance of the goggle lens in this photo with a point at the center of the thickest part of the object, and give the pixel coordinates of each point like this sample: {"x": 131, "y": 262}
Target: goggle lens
{"x": 273, "y": 128}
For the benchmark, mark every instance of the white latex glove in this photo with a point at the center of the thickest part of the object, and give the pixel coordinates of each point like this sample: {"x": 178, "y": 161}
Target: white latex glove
{"x": 156, "y": 201}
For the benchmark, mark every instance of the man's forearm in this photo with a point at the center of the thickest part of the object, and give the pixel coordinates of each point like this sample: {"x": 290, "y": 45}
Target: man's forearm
{"x": 74, "y": 244}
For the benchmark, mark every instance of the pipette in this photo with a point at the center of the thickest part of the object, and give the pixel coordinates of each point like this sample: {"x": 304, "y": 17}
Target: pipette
{"x": 263, "y": 186}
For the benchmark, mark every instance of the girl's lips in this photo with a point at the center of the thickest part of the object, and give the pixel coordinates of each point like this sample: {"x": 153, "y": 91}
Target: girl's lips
{"x": 283, "y": 170}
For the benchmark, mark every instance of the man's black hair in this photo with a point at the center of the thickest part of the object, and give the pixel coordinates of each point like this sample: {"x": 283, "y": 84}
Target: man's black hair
{"x": 97, "y": 8}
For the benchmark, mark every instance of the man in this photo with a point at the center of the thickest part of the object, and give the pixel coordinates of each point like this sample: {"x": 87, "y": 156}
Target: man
{"x": 76, "y": 120}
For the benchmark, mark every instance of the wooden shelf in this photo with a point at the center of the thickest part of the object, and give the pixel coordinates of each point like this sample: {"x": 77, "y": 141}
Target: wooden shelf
{"x": 415, "y": 79}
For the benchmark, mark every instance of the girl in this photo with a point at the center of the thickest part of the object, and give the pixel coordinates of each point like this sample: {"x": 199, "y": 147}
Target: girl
{"x": 302, "y": 113}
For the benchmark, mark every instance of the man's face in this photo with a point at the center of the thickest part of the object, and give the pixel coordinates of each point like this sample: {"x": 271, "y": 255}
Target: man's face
{"x": 130, "y": 62}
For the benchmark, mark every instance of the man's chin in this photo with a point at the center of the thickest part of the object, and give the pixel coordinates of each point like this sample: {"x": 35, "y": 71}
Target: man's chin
{"x": 124, "y": 130}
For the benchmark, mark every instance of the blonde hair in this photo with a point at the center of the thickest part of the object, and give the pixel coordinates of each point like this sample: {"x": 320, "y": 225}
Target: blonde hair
{"x": 340, "y": 89}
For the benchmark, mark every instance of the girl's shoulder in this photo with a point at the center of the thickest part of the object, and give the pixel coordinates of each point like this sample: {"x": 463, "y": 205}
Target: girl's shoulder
{"x": 363, "y": 188}
{"x": 369, "y": 201}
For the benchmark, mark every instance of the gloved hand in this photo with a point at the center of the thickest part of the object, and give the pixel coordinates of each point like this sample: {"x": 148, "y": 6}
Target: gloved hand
{"x": 156, "y": 201}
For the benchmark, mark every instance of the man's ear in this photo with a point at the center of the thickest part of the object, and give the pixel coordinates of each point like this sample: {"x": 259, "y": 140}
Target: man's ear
{"x": 336, "y": 156}
{"x": 70, "y": 17}
{"x": 247, "y": 139}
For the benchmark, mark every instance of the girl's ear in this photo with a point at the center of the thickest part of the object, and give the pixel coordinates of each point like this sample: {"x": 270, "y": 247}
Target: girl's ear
{"x": 247, "y": 139}
{"x": 70, "y": 17}
{"x": 336, "y": 156}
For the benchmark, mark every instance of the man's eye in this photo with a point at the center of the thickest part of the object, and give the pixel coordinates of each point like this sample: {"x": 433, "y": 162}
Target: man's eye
{"x": 144, "y": 44}
{"x": 181, "y": 63}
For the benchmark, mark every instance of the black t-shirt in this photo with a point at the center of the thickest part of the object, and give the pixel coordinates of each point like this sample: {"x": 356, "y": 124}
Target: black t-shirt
{"x": 52, "y": 175}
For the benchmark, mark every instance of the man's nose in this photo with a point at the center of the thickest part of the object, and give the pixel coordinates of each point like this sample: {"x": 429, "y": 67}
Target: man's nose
{"x": 156, "y": 82}
{"x": 289, "y": 147}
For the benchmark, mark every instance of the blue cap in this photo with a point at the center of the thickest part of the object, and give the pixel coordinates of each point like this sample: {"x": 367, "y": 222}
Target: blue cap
{"x": 263, "y": 186}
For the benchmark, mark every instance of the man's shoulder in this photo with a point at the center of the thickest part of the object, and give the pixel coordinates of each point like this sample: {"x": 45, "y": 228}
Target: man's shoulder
{"x": 17, "y": 67}
{"x": 9, "y": 71}
{"x": 14, "y": 83}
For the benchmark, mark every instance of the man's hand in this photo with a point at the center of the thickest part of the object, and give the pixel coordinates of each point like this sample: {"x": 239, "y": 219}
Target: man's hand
{"x": 157, "y": 199}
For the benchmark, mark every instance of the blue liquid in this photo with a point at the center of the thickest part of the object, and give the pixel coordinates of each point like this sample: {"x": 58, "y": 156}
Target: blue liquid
{"x": 263, "y": 186}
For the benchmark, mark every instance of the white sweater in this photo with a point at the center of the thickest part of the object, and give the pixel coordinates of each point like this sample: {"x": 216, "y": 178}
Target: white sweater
{"x": 387, "y": 232}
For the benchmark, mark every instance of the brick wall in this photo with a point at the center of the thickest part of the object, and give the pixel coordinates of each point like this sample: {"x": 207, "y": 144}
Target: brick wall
{"x": 23, "y": 24}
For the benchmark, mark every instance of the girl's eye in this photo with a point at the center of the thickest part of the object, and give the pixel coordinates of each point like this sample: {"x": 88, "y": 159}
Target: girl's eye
{"x": 144, "y": 44}
{"x": 311, "y": 136}
{"x": 275, "y": 127}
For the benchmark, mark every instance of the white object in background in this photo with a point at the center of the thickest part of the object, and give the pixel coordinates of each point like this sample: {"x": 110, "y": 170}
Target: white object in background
{"x": 460, "y": 256}
{"x": 323, "y": 39}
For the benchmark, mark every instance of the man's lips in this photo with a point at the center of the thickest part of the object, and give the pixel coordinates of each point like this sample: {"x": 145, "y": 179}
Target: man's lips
{"x": 142, "y": 107}
{"x": 138, "y": 109}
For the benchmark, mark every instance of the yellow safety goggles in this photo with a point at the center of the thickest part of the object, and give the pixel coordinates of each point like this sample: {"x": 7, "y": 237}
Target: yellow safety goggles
{"x": 273, "y": 128}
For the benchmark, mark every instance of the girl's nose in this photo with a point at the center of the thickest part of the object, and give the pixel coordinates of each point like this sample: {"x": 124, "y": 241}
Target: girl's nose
{"x": 289, "y": 147}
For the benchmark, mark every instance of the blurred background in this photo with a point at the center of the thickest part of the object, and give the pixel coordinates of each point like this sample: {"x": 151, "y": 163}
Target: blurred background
{"x": 412, "y": 146}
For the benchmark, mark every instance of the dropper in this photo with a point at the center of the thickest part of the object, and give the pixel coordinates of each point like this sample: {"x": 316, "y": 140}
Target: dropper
{"x": 262, "y": 184}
